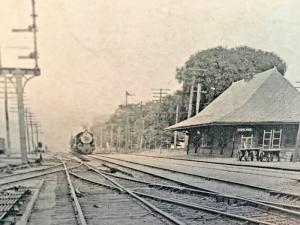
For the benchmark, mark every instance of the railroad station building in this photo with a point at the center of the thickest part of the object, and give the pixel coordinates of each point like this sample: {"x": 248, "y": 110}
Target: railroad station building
{"x": 263, "y": 112}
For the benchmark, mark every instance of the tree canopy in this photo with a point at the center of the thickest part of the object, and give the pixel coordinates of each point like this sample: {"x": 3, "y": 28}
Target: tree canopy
{"x": 221, "y": 66}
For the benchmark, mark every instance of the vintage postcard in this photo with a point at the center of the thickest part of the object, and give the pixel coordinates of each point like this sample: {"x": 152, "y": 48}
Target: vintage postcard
{"x": 129, "y": 112}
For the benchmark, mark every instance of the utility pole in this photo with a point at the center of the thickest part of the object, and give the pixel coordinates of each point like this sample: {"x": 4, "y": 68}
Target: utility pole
{"x": 20, "y": 76}
{"x": 176, "y": 121}
{"x": 159, "y": 96}
{"x": 36, "y": 133}
{"x": 199, "y": 90}
{"x": 27, "y": 131}
{"x": 127, "y": 94}
{"x": 142, "y": 127}
{"x": 190, "y": 109}
{"x": 118, "y": 137}
{"x": 31, "y": 129}
{"x": 111, "y": 135}
{"x": 101, "y": 138}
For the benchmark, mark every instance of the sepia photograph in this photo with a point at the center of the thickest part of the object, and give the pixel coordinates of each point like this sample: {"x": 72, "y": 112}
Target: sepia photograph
{"x": 161, "y": 112}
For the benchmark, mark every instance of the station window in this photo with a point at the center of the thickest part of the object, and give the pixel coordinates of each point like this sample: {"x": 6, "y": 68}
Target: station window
{"x": 272, "y": 138}
{"x": 247, "y": 140}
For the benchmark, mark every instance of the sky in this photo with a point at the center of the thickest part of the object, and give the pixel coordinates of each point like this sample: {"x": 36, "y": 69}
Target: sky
{"x": 92, "y": 51}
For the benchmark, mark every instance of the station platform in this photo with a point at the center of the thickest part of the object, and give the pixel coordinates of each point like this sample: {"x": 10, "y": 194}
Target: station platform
{"x": 181, "y": 155}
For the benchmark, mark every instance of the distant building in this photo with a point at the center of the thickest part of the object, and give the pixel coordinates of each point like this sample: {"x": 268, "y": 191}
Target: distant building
{"x": 263, "y": 112}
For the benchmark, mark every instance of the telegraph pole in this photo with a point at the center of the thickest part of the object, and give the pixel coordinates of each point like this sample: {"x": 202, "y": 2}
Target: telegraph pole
{"x": 27, "y": 131}
{"x": 111, "y": 135}
{"x": 190, "y": 109}
{"x": 36, "y": 133}
{"x": 101, "y": 138}
{"x": 118, "y": 137}
{"x": 199, "y": 90}
{"x": 143, "y": 127}
{"x": 7, "y": 118}
{"x": 159, "y": 96}
{"x": 31, "y": 129}
{"x": 127, "y": 94}
{"x": 176, "y": 121}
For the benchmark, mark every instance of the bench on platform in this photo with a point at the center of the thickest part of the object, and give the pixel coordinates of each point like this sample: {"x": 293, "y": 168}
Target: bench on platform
{"x": 259, "y": 153}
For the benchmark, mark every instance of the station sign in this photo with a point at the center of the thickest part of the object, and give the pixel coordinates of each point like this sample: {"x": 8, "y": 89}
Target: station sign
{"x": 248, "y": 129}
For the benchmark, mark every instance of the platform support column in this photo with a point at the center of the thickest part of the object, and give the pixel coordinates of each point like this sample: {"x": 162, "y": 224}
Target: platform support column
{"x": 21, "y": 115}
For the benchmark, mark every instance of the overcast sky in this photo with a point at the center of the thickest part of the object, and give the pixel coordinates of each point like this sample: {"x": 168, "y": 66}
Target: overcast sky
{"x": 91, "y": 51}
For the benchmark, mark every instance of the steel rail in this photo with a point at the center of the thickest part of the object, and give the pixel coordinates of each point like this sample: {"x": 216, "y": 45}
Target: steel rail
{"x": 77, "y": 208}
{"x": 98, "y": 183}
{"x": 197, "y": 190}
{"x": 268, "y": 190}
{"x": 204, "y": 208}
{"x": 34, "y": 176}
{"x": 263, "y": 204}
{"x": 135, "y": 196}
{"x": 32, "y": 171}
{"x": 176, "y": 202}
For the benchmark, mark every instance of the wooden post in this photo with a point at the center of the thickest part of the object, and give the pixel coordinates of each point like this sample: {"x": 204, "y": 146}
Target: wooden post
{"x": 36, "y": 133}
{"x": 142, "y": 133}
{"x": 31, "y": 129}
{"x": 101, "y": 138}
{"x": 190, "y": 110}
{"x": 199, "y": 91}
{"x": 111, "y": 135}
{"x": 142, "y": 128}
{"x": 118, "y": 138}
{"x": 8, "y": 150}
{"x": 297, "y": 148}
{"x": 27, "y": 131}
{"x": 176, "y": 121}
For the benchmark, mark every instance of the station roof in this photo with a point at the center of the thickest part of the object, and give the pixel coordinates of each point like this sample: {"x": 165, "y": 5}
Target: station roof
{"x": 267, "y": 98}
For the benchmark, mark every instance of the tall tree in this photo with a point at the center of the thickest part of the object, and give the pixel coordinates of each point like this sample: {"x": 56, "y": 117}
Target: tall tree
{"x": 221, "y": 66}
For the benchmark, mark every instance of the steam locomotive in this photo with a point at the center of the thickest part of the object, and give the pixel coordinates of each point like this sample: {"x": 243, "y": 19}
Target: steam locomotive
{"x": 83, "y": 143}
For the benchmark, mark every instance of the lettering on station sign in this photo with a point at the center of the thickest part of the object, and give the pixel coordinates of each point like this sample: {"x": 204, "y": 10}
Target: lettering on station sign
{"x": 244, "y": 129}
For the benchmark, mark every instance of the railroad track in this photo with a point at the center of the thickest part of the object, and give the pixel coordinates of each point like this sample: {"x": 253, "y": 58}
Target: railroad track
{"x": 22, "y": 176}
{"x": 169, "y": 199}
{"x": 232, "y": 168}
{"x": 56, "y": 202}
{"x": 279, "y": 209}
{"x": 108, "y": 203}
{"x": 272, "y": 193}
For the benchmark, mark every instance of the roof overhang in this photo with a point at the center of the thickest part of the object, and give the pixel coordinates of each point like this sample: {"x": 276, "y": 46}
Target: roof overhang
{"x": 248, "y": 123}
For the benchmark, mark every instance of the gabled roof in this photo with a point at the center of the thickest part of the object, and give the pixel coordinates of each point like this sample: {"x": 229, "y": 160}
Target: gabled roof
{"x": 267, "y": 98}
